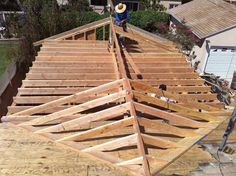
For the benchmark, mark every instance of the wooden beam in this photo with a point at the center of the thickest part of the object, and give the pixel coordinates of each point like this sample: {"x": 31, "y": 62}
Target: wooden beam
{"x": 86, "y": 119}
{"x": 175, "y": 107}
{"x": 149, "y": 89}
{"x": 71, "y": 98}
{"x": 77, "y": 108}
{"x": 99, "y": 130}
{"x": 172, "y": 118}
{"x": 129, "y": 97}
{"x": 115, "y": 144}
{"x": 133, "y": 65}
{"x": 159, "y": 142}
{"x": 134, "y": 161}
{"x": 166, "y": 128}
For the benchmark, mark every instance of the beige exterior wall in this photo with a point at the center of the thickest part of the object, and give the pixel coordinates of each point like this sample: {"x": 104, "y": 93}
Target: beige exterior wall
{"x": 223, "y": 39}
{"x": 166, "y": 3}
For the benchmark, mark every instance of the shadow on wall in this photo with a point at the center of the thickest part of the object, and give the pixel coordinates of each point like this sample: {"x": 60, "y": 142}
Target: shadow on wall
{"x": 6, "y": 98}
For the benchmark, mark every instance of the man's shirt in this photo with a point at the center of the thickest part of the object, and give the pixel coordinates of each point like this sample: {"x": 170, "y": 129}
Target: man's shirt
{"x": 122, "y": 16}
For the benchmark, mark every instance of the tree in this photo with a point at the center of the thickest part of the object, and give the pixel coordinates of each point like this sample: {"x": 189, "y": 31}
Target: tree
{"x": 152, "y": 5}
{"x": 44, "y": 18}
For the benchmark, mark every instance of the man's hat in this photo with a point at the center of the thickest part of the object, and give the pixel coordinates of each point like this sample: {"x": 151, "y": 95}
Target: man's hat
{"x": 120, "y": 8}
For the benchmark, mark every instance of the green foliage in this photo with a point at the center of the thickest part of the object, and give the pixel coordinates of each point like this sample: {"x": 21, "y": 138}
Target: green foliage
{"x": 179, "y": 34}
{"x": 44, "y": 18}
{"x": 148, "y": 19}
{"x": 5, "y": 57}
{"x": 152, "y": 5}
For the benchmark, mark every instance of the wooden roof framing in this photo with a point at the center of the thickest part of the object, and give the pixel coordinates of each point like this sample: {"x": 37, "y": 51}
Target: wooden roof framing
{"x": 103, "y": 100}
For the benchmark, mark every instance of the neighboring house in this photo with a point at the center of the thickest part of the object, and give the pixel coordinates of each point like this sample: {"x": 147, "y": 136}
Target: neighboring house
{"x": 100, "y": 5}
{"x": 8, "y": 7}
{"x": 214, "y": 23}
{"x": 62, "y": 2}
{"x": 231, "y": 1}
{"x": 169, "y": 4}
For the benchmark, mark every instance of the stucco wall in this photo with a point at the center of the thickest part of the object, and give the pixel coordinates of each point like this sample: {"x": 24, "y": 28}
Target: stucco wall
{"x": 223, "y": 39}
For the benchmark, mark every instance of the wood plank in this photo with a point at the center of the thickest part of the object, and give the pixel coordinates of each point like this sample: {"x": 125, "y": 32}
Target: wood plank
{"x": 133, "y": 161}
{"x": 159, "y": 142}
{"x": 188, "y": 88}
{"x": 67, "y": 53}
{"x": 175, "y": 107}
{"x": 76, "y": 109}
{"x": 64, "y": 83}
{"x": 71, "y": 70}
{"x": 168, "y": 82}
{"x": 133, "y": 65}
{"x": 72, "y": 98}
{"x": 71, "y": 58}
{"x": 166, "y": 128}
{"x": 168, "y": 69}
{"x": 183, "y": 98}
{"x": 72, "y": 64}
{"x": 69, "y": 76}
{"x": 115, "y": 144}
{"x": 29, "y": 100}
{"x": 167, "y": 75}
{"x": 208, "y": 96}
{"x": 15, "y": 109}
{"x": 98, "y": 130}
{"x": 172, "y": 118}
{"x": 49, "y": 91}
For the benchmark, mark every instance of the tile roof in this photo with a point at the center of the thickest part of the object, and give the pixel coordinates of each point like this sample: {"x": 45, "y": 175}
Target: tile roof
{"x": 206, "y": 17}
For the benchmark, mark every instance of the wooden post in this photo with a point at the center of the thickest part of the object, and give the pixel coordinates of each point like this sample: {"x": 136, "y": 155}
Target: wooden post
{"x": 104, "y": 32}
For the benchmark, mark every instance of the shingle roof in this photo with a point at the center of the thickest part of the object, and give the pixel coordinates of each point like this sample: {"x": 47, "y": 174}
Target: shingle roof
{"x": 206, "y": 17}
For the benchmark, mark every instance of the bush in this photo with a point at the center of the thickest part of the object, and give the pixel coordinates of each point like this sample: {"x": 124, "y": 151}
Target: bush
{"x": 183, "y": 36}
{"x": 148, "y": 19}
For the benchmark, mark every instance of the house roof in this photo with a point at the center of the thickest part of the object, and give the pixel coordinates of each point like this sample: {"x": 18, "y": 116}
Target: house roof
{"x": 105, "y": 101}
{"x": 206, "y": 17}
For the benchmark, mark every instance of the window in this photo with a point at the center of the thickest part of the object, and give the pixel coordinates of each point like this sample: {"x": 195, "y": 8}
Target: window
{"x": 99, "y": 2}
{"x": 131, "y": 6}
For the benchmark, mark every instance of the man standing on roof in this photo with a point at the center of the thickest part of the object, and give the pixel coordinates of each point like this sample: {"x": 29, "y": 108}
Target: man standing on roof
{"x": 122, "y": 16}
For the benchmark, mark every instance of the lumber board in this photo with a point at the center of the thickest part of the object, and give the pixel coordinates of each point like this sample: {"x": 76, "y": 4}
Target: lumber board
{"x": 75, "y": 31}
{"x": 171, "y": 117}
{"x": 115, "y": 144}
{"x": 72, "y": 64}
{"x": 15, "y": 109}
{"x": 168, "y": 82}
{"x": 87, "y": 119}
{"x": 140, "y": 145}
{"x": 133, "y": 65}
{"x": 159, "y": 142}
{"x": 77, "y": 108}
{"x": 72, "y": 98}
{"x": 67, "y": 53}
{"x": 166, "y": 128}
{"x": 71, "y": 70}
{"x": 168, "y": 75}
{"x": 166, "y": 70}
{"x": 100, "y": 130}
{"x": 182, "y": 98}
{"x": 69, "y": 76}
{"x": 175, "y": 107}
{"x": 70, "y": 58}
{"x": 189, "y": 88}
{"x": 64, "y": 83}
